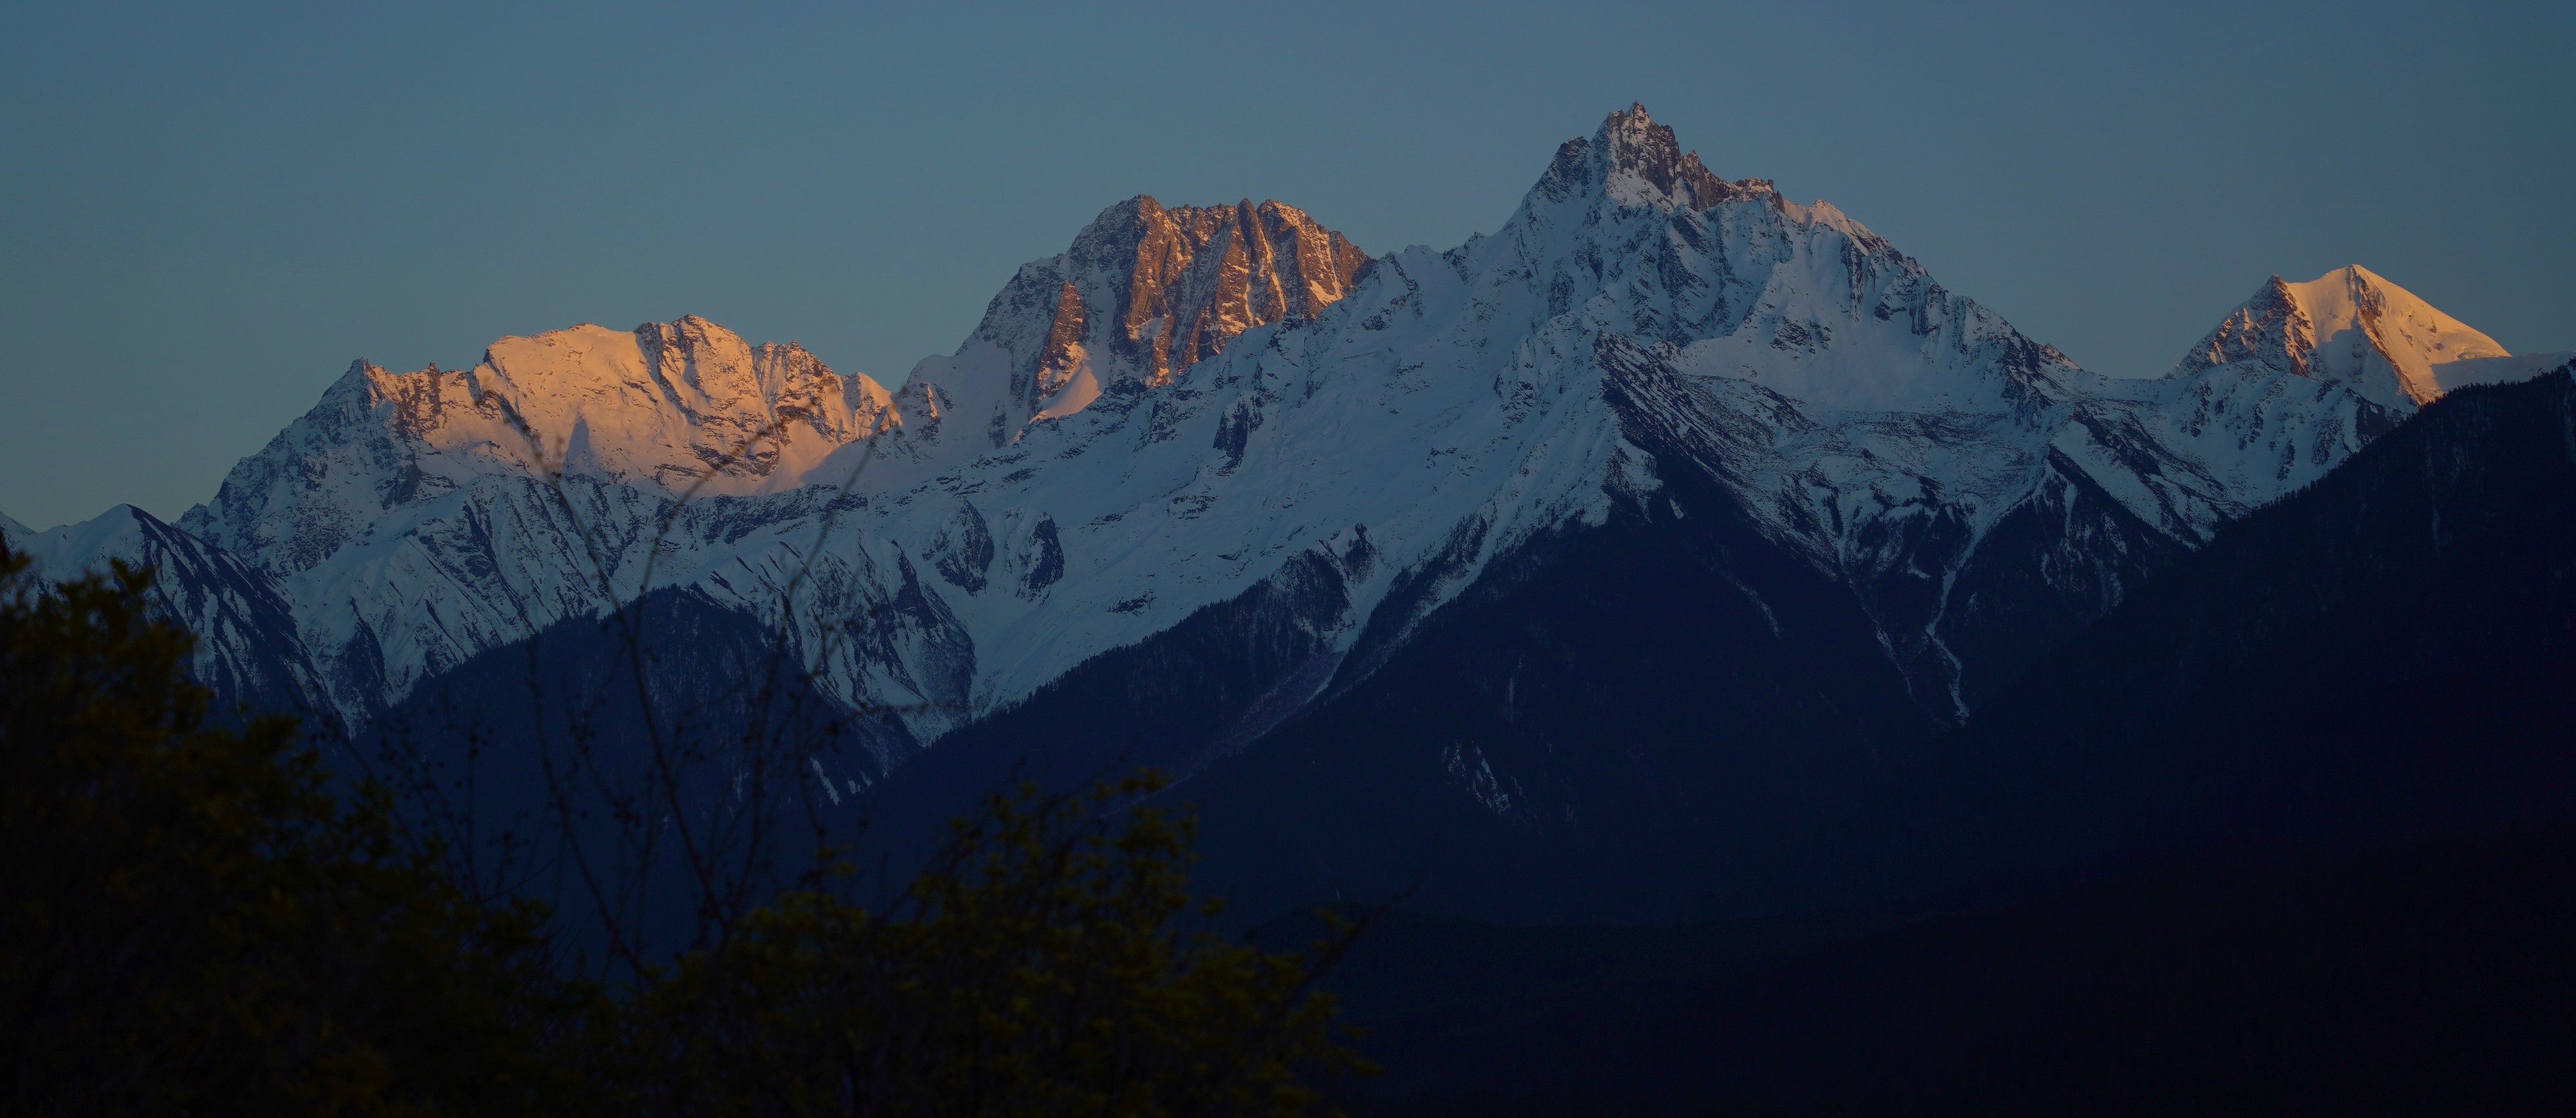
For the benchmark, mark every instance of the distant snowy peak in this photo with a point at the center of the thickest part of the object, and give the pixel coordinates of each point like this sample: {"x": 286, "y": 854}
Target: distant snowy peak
{"x": 2352, "y": 326}
{"x": 667, "y": 407}
{"x": 1144, "y": 292}
{"x": 2305, "y": 374}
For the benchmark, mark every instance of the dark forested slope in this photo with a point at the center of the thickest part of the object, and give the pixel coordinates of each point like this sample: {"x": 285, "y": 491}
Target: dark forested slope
{"x": 2387, "y": 653}
{"x": 2290, "y": 831}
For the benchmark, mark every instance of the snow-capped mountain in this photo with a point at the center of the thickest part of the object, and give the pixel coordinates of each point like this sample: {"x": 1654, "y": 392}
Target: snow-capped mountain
{"x": 1670, "y": 505}
{"x": 668, "y": 408}
{"x": 2352, "y": 326}
{"x": 1200, "y": 410}
{"x": 419, "y": 518}
{"x": 428, "y": 516}
{"x": 248, "y": 650}
{"x": 2303, "y": 374}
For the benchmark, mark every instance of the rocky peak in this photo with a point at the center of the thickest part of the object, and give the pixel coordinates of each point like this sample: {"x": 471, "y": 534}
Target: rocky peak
{"x": 2368, "y": 328}
{"x": 2270, "y": 328}
{"x": 1144, "y": 291}
{"x": 1636, "y": 162}
{"x": 1154, "y": 289}
{"x": 2353, "y": 326}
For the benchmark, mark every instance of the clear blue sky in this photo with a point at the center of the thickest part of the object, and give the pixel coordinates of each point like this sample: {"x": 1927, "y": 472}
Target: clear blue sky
{"x": 207, "y": 211}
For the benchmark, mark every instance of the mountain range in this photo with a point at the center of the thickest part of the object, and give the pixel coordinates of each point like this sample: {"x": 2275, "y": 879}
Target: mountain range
{"x": 1668, "y": 510}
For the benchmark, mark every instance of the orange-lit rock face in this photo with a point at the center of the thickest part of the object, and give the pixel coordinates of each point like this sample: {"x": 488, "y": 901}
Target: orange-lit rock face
{"x": 674, "y": 404}
{"x": 1193, "y": 279}
{"x": 1205, "y": 275}
{"x": 1064, "y": 350}
{"x": 2353, "y": 326}
{"x": 1144, "y": 292}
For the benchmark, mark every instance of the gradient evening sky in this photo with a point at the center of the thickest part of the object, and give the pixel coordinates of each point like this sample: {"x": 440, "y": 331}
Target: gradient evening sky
{"x": 206, "y": 211}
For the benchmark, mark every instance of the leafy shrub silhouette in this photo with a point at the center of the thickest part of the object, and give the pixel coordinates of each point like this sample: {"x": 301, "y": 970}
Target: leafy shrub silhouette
{"x": 1042, "y": 964}
{"x": 196, "y": 923}
{"x": 202, "y": 920}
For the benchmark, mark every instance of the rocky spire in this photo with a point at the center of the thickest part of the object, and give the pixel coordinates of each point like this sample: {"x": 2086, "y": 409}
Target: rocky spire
{"x": 1147, "y": 290}
{"x": 2270, "y": 328}
{"x": 1637, "y": 162}
{"x": 1144, "y": 292}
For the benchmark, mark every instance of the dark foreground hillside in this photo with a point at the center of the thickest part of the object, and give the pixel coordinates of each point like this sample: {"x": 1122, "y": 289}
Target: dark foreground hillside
{"x": 2431, "y": 978}
{"x": 2290, "y": 832}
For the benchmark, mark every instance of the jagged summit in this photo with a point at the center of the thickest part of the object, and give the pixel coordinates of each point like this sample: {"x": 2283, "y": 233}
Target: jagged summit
{"x": 1637, "y": 162}
{"x": 1198, "y": 276}
{"x": 1145, "y": 291}
{"x": 2353, "y": 326}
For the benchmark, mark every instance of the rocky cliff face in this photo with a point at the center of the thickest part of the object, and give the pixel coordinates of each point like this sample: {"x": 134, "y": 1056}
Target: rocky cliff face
{"x": 1144, "y": 292}
{"x": 1196, "y": 277}
{"x": 2271, "y": 328}
{"x": 1158, "y": 289}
